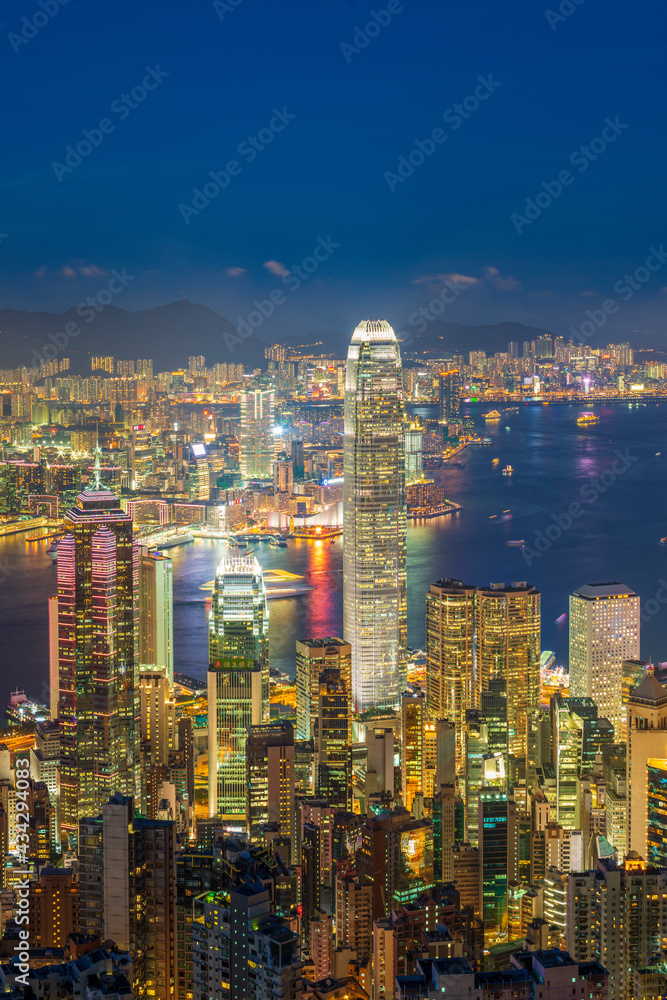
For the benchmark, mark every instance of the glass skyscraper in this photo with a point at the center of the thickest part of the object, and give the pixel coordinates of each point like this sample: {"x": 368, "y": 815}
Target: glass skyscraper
{"x": 374, "y": 579}
{"x": 97, "y": 655}
{"x": 238, "y": 679}
{"x": 257, "y": 422}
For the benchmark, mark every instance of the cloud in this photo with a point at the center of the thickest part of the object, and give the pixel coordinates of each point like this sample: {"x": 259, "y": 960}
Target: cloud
{"x": 92, "y": 271}
{"x": 40, "y": 272}
{"x": 454, "y": 277}
{"x": 275, "y": 267}
{"x": 506, "y": 283}
{"x": 588, "y": 293}
{"x": 68, "y": 271}
{"x": 235, "y": 272}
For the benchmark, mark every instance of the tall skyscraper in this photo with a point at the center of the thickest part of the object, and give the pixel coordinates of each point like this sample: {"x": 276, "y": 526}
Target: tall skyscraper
{"x": 257, "y": 422}
{"x": 452, "y": 685}
{"x": 604, "y": 631}
{"x": 334, "y": 771}
{"x": 449, "y": 386}
{"x": 156, "y": 611}
{"x": 270, "y": 780}
{"x": 496, "y": 870}
{"x": 647, "y": 739}
{"x": 375, "y": 520}
{"x": 312, "y": 657}
{"x": 238, "y": 679}
{"x": 508, "y": 643}
{"x": 97, "y": 662}
{"x": 413, "y": 757}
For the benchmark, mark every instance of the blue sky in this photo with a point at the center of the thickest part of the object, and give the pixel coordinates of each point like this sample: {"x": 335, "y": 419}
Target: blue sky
{"x": 330, "y": 171}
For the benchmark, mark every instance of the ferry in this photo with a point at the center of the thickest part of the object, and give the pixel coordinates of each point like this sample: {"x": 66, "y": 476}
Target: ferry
{"x": 518, "y": 542}
{"x": 561, "y": 618}
{"x": 508, "y": 470}
{"x": 278, "y": 543}
{"x": 491, "y": 415}
{"x": 587, "y": 419}
{"x": 53, "y": 551}
{"x": 278, "y": 583}
{"x": 663, "y": 541}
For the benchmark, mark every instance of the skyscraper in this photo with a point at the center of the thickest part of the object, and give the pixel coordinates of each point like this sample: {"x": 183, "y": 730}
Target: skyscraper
{"x": 156, "y": 609}
{"x": 374, "y": 578}
{"x": 257, "y": 422}
{"x": 449, "y": 386}
{"x": 334, "y": 772}
{"x": 604, "y": 631}
{"x": 238, "y": 679}
{"x": 97, "y": 661}
{"x": 312, "y": 657}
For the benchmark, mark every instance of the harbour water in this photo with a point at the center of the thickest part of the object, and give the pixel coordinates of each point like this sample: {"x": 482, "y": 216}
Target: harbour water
{"x": 611, "y": 469}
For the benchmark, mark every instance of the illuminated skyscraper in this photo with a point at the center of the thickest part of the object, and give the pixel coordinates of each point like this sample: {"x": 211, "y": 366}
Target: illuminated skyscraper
{"x": 374, "y": 578}
{"x": 156, "y": 608}
{"x": 97, "y": 658}
{"x": 334, "y": 771}
{"x": 257, "y": 422}
{"x": 413, "y": 757}
{"x": 604, "y": 631}
{"x": 238, "y": 679}
{"x": 312, "y": 657}
{"x": 452, "y": 685}
{"x": 449, "y": 385}
{"x": 508, "y": 643}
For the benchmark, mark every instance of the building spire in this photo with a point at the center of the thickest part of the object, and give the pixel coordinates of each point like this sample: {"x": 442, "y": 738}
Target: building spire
{"x": 97, "y": 467}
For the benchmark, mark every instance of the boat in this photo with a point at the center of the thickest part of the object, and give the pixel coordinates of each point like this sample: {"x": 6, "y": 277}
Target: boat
{"x": 663, "y": 541}
{"x": 241, "y": 543}
{"x": 494, "y": 461}
{"x": 508, "y": 470}
{"x": 657, "y": 453}
{"x": 587, "y": 419}
{"x": 561, "y": 618}
{"x": 511, "y": 409}
{"x": 53, "y": 551}
{"x": 519, "y": 542}
{"x": 491, "y": 415}
{"x": 278, "y": 543}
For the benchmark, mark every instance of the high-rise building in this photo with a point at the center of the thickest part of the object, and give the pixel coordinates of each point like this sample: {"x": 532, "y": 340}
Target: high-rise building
{"x": 451, "y": 671}
{"x": 97, "y": 643}
{"x": 375, "y": 520}
{"x": 283, "y": 474}
{"x": 647, "y": 739}
{"x": 156, "y": 611}
{"x": 413, "y": 756}
{"x": 414, "y": 453}
{"x": 449, "y": 387}
{"x": 312, "y": 657}
{"x": 495, "y": 860}
{"x": 257, "y": 423}
{"x": 270, "y": 780}
{"x": 334, "y": 771}
{"x": 604, "y": 631}
{"x": 238, "y": 679}
{"x": 508, "y": 643}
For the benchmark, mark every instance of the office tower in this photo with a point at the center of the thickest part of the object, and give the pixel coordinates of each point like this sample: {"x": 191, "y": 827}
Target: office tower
{"x": 157, "y": 730}
{"x": 156, "y": 611}
{"x": 656, "y": 807}
{"x": 451, "y": 676}
{"x": 374, "y": 578}
{"x": 413, "y": 757}
{"x": 270, "y": 780}
{"x": 238, "y": 679}
{"x": 496, "y": 869}
{"x": 379, "y": 761}
{"x": 139, "y": 866}
{"x": 647, "y": 738}
{"x": 242, "y": 949}
{"x": 53, "y": 908}
{"x": 604, "y": 631}
{"x": 448, "y": 830}
{"x": 449, "y": 393}
{"x": 90, "y": 873}
{"x": 257, "y": 423}
{"x": 97, "y": 638}
{"x": 312, "y": 657}
{"x": 198, "y": 479}
{"x": 633, "y": 672}
{"x": 283, "y": 474}
{"x": 298, "y": 460}
{"x": 396, "y": 857}
{"x": 508, "y": 643}
{"x": 334, "y": 771}
{"x": 47, "y": 753}
{"x": 414, "y": 453}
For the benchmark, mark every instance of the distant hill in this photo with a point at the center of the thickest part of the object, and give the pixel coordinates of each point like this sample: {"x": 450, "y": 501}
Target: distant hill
{"x": 167, "y": 334}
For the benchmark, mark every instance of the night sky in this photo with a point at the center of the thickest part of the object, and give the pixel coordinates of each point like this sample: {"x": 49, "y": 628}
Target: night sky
{"x": 308, "y": 115}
